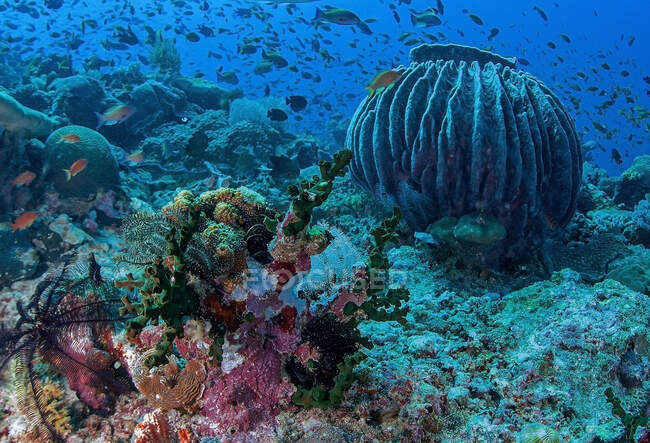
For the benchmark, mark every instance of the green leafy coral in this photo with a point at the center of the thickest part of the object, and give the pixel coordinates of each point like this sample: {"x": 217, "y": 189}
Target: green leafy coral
{"x": 383, "y": 303}
{"x": 308, "y": 195}
{"x": 166, "y": 296}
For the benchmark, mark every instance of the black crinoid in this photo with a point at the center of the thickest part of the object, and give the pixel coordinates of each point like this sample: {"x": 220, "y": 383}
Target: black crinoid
{"x": 58, "y": 335}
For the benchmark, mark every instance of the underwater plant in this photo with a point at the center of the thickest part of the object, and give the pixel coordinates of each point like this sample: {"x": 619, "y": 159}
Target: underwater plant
{"x": 58, "y": 328}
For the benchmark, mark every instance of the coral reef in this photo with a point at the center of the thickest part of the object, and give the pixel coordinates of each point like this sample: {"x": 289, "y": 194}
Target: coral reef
{"x": 503, "y": 145}
{"x": 634, "y": 183}
{"x": 100, "y": 172}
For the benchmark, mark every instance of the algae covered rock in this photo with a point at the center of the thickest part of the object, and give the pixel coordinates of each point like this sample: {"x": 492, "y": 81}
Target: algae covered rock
{"x": 462, "y": 132}
{"x": 634, "y": 183}
{"x": 101, "y": 171}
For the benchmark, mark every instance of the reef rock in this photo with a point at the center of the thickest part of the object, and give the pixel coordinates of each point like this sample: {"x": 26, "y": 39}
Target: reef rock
{"x": 155, "y": 104}
{"x": 462, "y": 132}
{"x": 78, "y": 97}
{"x": 634, "y": 183}
{"x": 206, "y": 94}
{"x": 101, "y": 170}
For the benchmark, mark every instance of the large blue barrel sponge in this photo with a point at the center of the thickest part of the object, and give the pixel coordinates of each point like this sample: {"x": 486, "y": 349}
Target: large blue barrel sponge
{"x": 462, "y": 132}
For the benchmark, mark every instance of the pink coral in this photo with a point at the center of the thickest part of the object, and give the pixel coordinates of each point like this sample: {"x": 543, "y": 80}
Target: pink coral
{"x": 248, "y": 397}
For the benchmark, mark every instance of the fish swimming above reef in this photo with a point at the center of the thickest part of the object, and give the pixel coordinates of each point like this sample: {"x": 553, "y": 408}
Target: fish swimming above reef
{"x": 76, "y": 168}
{"x": 277, "y": 115}
{"x": 116, "y": 114}
{"x": 24, "y": 178}
{"x": 70, "y": 138}
{"x": 296, "y": 102}
{"x": 341, "y": 16}
{"x": 384, "y": 79}
{"x": 25, "y": 220}
{"x": 425, "y": 18}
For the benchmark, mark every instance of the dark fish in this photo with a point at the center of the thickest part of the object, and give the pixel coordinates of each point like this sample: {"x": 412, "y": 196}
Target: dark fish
{"x": 296, "y": 102}
{"x": 94, "y": 270}
{"x": 616, "y": 156}
{"x": 541, "y": 13}
{"x": 192, "y": 37}
{"x": 277, "y": 115}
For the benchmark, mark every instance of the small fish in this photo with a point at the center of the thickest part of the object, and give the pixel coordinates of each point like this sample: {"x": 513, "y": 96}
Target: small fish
{"x": 296, "y": 102}
{"x": 541, "y": 13}
{"x": 136, "y": 157}
{"x": 192, "y": 37}
{"x": 425, "y": 18}
{"x": 476, "y": 19}
{"x": 616, "y": 156}
{"x": 229, "y": 77}
{"x": 383, "y": 80}
{"x": 70, "y": 138}
{"x": 25, "y": 220}
{"x": 24, "y": 178}
{"x": 76, "y": 168}
{"x": 116, "y": 114}
{"x": 341, "y": 16}
{"x": 277, "y": 115}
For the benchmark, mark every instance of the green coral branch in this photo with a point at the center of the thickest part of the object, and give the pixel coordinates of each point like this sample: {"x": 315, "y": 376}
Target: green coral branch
{"x": 308, "y": 195}
{"x": 383, "y": 303}
{"x": 629, "y": 421}
{"x": 166, "y": 297}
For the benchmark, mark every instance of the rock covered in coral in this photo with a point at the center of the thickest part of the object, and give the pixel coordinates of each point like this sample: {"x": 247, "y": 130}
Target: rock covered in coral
{"x": 77, "y": 97}
{"x": 452, "y": 137}
{"x": 206, "y": 94}
{"x": 100, "y": 172}
{"x": 156, "y": 104}
{"x": 634, "y": 183}
{"x": 19, "y": 258}
{"x": 556, "y": 355}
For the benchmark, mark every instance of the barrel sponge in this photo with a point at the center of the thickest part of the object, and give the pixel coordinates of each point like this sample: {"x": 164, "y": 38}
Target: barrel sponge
{"x": 20, "y": 119}
{"x": 101, "y": 171}
{"x": 456, "y": 137}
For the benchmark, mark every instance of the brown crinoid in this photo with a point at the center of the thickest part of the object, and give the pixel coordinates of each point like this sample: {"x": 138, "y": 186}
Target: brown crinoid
{"x": 59, "y": 328}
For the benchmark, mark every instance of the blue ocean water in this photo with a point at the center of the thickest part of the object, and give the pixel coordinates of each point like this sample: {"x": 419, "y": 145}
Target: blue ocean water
{"x": 213, "y": 230}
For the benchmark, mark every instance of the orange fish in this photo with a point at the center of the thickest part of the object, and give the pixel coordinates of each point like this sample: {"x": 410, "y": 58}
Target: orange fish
{"x": 385, "y": 79}
{"x": 116, "y": 114}
{"x": 70, "y": 138}
{"x": 136, "y": 157}
{"x": 75, "y": 169}
{"x": 24, "y": 178}
{"x": 25, "y": 220}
